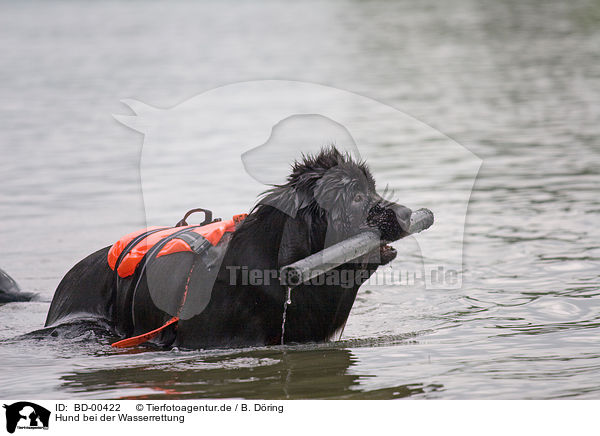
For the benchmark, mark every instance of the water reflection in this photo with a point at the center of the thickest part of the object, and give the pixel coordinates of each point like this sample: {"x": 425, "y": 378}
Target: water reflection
{"x": 265, "y": 374}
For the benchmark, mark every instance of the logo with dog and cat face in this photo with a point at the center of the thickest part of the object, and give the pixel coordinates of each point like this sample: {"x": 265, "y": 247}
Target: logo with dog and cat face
{"x": 25, "y": 415}
{"x": 221, "y": 148}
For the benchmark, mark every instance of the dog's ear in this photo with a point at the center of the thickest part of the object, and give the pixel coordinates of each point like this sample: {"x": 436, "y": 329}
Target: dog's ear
{"x": 330, "y": 194}
{"x": 287, "y": 199}
{"x": 295, "y": 241}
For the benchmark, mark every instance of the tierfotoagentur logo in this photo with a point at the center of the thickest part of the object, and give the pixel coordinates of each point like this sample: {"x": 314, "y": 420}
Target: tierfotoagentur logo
{"x": 254, "y": 130}
{"x": 346, "y": 278}
{"x": 24, "y": 415}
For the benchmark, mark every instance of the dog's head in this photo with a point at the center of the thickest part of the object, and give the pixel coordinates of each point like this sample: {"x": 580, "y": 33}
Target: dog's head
{"x": 329, "y": 197}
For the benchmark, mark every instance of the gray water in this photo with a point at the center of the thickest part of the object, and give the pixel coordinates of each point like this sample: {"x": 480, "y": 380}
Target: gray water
{"x": 517, "y": 83}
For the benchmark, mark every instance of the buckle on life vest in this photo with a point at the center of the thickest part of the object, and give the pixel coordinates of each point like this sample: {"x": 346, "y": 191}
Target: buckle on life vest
{"x": 237, "y": 219}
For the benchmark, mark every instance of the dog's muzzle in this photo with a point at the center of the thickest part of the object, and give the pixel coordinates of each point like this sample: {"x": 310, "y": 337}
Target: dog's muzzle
{"x": 392, "y": 220}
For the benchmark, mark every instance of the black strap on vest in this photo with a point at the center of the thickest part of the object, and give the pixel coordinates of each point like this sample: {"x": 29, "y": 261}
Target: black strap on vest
{"x": 154, "y": 250}
{"x": 132, "y": 244}
{"x": 130, "y": 247}
{"x": 198, "y": 243}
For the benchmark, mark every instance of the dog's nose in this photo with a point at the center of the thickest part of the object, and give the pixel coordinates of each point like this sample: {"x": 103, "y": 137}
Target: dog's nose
{"x": 403, "y": 214}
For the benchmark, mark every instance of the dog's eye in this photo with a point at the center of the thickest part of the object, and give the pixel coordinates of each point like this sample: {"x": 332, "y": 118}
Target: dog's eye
{"x": 359, "y": 198}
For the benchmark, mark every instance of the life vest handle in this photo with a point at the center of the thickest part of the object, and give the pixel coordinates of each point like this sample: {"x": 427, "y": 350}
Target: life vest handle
{"x": 207, "y": 217}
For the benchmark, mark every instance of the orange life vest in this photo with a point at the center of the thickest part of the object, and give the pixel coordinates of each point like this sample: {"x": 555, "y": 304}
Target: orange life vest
{"x": 193, "y": 240}
{"x": 126, "y": 254}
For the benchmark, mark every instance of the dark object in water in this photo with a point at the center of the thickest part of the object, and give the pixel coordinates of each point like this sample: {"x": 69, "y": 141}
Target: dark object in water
{"x": 346, "y": 251}
{"x": 10, "y": 291}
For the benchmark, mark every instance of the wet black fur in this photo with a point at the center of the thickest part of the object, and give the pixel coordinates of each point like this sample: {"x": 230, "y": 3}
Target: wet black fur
{"x": 319, "y": 205}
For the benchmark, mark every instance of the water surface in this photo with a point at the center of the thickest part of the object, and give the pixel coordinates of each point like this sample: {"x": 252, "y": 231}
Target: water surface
{"x": 518, "y": 84}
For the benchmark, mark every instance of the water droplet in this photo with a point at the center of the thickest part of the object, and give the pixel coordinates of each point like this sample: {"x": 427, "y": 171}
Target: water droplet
{"x": 287, "y": 302}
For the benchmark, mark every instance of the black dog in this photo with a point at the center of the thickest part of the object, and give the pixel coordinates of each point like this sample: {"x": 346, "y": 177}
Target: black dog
{"x": 327, "y": 198}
